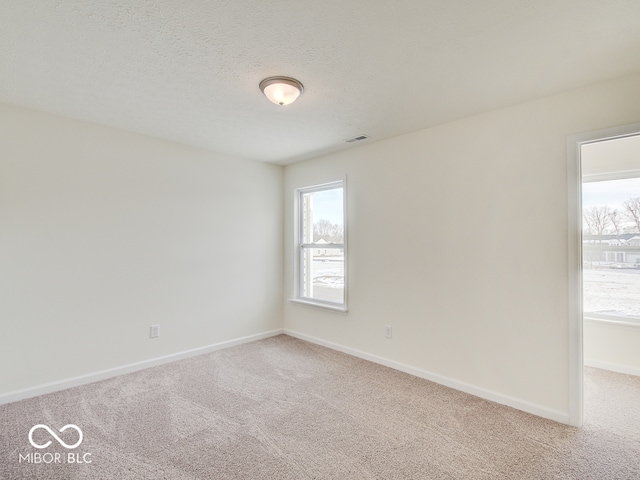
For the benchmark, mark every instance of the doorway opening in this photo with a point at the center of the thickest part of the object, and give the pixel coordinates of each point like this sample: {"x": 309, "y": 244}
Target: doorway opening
{"x": 604, "y": 257}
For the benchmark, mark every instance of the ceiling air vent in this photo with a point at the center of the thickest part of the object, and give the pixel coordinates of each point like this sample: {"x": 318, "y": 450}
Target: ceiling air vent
{"x": 356, "y": 139}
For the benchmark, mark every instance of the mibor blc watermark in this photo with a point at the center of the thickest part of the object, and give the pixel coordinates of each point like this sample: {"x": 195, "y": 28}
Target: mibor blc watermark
{"x": 56, "y": 457}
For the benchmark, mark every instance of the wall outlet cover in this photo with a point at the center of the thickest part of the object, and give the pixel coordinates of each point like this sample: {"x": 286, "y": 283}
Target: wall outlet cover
{"x": 155, "y": 331}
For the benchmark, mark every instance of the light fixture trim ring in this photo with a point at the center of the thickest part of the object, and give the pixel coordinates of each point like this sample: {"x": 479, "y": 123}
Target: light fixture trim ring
{"x": 286, "y": 80}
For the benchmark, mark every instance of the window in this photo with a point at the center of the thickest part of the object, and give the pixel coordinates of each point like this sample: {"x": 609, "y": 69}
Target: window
{"x": 611, "y": 230}
{"x": 321, "y": 246}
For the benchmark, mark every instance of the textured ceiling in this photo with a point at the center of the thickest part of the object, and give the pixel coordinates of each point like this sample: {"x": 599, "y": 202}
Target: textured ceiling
{"x": 188, "y": 71}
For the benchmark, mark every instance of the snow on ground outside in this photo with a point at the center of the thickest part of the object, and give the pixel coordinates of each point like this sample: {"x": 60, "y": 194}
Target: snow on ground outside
{"x": 328, "y": 271}
{"x": 328, "y": 278}
{"x": 610, "y": 291}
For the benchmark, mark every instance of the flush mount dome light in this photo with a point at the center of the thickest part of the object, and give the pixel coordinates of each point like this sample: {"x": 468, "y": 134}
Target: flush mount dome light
{"x": 281, "y": 90}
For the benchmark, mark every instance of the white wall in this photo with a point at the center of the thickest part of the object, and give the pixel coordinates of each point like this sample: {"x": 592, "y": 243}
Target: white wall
{"x": 458, "y": 240}
{"x": 105, "y": 232}
{"x": 612, "y": 347}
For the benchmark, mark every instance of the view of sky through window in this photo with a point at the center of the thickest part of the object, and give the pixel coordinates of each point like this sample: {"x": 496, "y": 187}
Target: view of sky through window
{"x": 327, "y": 205}
{"x": 611, "y": 193}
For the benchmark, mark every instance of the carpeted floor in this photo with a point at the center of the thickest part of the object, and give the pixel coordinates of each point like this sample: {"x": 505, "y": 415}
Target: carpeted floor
{"x": 282, "y": 408}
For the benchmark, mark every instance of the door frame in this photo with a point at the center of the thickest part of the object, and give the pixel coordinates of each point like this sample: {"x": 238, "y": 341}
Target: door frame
{"x": 574, "y": 204}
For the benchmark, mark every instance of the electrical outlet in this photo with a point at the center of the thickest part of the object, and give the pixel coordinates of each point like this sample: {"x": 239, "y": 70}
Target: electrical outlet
{"x": 387, "y": 331}
{"x": 155, "y": 331}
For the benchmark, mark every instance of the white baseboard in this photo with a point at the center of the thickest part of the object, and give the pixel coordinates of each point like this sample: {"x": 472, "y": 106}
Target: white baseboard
{"x": 534, "y": 409}
{"x": 132, "y": 367}
{"x": 614, "y": 367}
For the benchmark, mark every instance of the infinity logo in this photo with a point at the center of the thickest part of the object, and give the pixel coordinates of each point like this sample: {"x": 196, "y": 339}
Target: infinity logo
{"x": 53, "y": 434}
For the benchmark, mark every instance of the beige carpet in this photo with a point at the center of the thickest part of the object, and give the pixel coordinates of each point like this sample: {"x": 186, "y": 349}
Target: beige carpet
{"x": 282, "y": 408}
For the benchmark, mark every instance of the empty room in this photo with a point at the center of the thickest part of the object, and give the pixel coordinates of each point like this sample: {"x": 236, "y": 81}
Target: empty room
{"x": 319, "y": 240}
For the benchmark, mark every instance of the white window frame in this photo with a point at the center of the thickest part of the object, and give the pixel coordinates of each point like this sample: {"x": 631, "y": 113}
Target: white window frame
{"x": 301, "y": 245}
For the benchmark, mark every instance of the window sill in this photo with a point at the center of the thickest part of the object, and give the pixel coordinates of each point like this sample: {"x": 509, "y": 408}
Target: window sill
{"x": 342, "y": 309}
{"x": 613, "y": 322}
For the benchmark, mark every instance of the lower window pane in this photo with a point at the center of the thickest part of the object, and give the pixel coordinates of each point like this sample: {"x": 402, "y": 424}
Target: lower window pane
{"x": 323, "y": 274}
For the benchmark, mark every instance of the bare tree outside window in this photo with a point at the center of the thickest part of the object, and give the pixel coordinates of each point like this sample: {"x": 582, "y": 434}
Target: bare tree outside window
{"x": 598, "y": 219}
{"x": 327, "y": 231}
{"x": 632, "y": 211}
{"x": 617, "y": 221}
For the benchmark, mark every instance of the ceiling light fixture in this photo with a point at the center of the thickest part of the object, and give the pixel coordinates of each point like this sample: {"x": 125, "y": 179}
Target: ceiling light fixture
{"x": 281, "y": 90}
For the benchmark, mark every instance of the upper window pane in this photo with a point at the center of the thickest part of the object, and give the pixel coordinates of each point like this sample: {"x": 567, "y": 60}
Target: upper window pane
{"x": 323, "y": 216}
